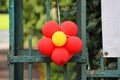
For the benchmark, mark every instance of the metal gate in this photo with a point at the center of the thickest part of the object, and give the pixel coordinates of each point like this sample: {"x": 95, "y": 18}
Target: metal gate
{"x": 17, "y": 55}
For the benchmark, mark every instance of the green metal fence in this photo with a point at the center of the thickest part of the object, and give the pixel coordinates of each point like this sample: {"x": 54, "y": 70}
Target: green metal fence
{"x": 17, "y": 55}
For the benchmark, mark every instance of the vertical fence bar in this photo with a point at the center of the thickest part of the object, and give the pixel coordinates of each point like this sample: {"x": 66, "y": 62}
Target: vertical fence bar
{"x": 48, "y": 18}
{"x": 118, "y": 61}
{"x": 78, "y": 17}
{"x": 11, "y": 31}
{"x": 48, "y": 71}
{"x": 102, "y": 63}
{"x": 83, "y": 24}
{"x": 18, "y": 25}
{"x": 81, "y": 21}
{"x": 83, "y": 35}
{"x": 78, "y": 20}
{"x": 48, "y": 9}
{"x": 65, "y": 71}
{"x": 18, "y": 37}
{"x": 30, "y": 64}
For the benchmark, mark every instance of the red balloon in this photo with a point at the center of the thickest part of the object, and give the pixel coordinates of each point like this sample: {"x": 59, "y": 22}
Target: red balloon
{"x": 69, "y": 28}
{"x": 71, "y": 55}
{"x": 46, "y": 46}
{"x": 60, "y": 56}
{"x": 49, "y": 28}
{"x": 73, "y": 44}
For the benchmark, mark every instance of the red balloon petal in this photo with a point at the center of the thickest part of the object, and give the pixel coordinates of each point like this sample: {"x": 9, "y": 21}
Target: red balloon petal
{"x": 49, "y": 28}
{"x": 60, "y": 56}
{"x": 69, "y": 28}
{"x": 70, "y": 55}
{"x": 73, "y": 44}
{"x": 46, "y": 46}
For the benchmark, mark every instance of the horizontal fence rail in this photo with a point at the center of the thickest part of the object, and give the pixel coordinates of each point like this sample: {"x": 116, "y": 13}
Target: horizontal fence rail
{"x": 23, "y": 59}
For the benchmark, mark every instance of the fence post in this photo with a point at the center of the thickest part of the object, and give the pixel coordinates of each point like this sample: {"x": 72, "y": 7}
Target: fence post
{"x": 81, "y": 21}
{"x": 11, "y": 31}
{"x": 47, "y": 19}
{"x": 83, "y": 36}
{"x": 18, "y": 37}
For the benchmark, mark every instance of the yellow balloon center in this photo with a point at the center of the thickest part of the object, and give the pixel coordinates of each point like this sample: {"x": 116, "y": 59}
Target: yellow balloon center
{"x": 59, "y": 38}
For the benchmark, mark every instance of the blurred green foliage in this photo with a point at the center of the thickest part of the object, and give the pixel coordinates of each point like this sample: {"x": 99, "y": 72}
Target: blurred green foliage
{"x": 4, "y": 6}
{"x": 33, "y": 18}
{"x": 94, "y": 32}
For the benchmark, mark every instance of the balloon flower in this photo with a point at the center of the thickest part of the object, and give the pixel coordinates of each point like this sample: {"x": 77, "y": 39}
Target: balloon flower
{"x": 60, "y": 43}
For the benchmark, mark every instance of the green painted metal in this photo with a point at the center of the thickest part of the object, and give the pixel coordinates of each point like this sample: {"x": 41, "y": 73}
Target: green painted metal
{"x": 103, "y": 73}
{"x": 17, "y": 55}
{"x": 83, "y": 36}
{"x": 12, "y": 48}
{"x": 47, "y": 19}
{"x": 118, "y": 61}
{"x": 48, "y": 10}
{"x": 65, "y": 71}
{"x": 15, "y": 10}
{"x": 18, "y": 36}
{"x": 23, "y": 59}
{"x": 102, "y": 63}
{"x": 30, "y": 64}
{"x": 81, "y": 21}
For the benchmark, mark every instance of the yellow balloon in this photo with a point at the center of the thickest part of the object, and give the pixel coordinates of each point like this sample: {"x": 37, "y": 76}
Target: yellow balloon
{"x": 59, "y": 38}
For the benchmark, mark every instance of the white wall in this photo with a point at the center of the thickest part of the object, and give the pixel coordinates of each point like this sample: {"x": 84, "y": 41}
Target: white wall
{"x": 111, "y": 27}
